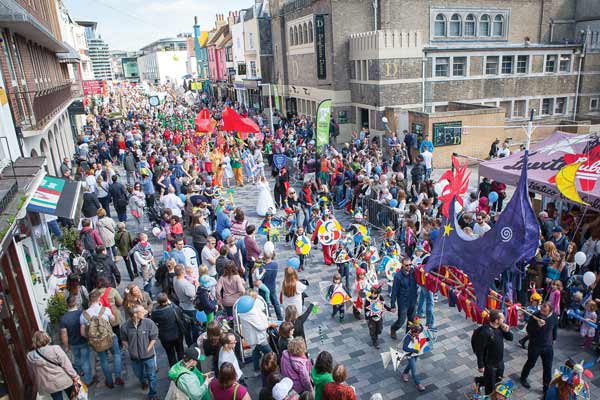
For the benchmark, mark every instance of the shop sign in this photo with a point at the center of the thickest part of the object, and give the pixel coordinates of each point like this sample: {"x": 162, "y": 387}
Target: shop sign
{"x": 320, "y": 46}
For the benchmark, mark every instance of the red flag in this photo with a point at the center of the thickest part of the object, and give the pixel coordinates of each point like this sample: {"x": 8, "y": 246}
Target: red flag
{"x": 232, "y": 121}
{"x": 203, "y": 122}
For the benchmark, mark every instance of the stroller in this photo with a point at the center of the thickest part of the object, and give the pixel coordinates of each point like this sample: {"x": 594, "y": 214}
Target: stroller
{"x": 237, "y": 328}
{"x": 154, "y": 215}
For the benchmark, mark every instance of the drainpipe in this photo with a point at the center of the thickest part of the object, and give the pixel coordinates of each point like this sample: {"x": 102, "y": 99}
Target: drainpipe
{"x": 581, "y": 57}
{"x": 375, "y": 14}
{"x": 423, "y": 67}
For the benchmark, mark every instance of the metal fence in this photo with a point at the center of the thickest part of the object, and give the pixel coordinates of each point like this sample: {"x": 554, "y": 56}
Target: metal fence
{"x": 380, "y": 215}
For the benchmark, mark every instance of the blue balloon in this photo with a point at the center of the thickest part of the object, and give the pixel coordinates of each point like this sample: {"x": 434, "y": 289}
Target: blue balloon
{"x": 294, "y": 262}
{"x": 393, "y": 203}
{"x": 493, "y": 197}
{"x": 201, "y": 316}
{"x": 182, "y": 197}
{"x": 225, "y": 233}
{"x": 244, "y": 304}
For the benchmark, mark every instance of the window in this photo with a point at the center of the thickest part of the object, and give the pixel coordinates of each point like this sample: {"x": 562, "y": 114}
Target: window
{"x": 291, "y": 37}
{"x": 305, "y": 33}
{"x": 310, "y": 32}
{"x": 295, "y": 35}
{"x": 522, "y": 64}
{"x": 484, "y": 25}
{"x": 560, "y": 105}
{"x": 547, "y": 105}
{"x": 498, "y": 29}
{"x": 594, "y": 104}
{"x": 507, "y": 64}
{"x": 440, "y": 25}
{"x": 491, "y": 65}
{"x": 441, "y": 66}
{"x": 300, "y": 36}
{"x": 455, "y": 25}
{"x": 459, "y": 66}
{"x": 519, "y": 109}
{"x": 253, "y": 69}
{"x": 470, "y": 25}
{"x": 8, "y": 58}
{"x": 365, "y": 71}
{"x": 551, "y": 63}
{"x": 564, "y": 64}
{"x": 358, "y": 72}
{"x": 447, "y": 133}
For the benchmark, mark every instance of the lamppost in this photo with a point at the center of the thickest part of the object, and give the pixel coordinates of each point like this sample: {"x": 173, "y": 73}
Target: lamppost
{"x": 270, "y": 105}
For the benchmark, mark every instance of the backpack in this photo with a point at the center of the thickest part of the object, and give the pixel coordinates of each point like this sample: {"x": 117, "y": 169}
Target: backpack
{"x": 80, "y": 264}
{"x": 88, "y": 241}
{"x": 478, "y": 341}
{"x": 98, "y": 331}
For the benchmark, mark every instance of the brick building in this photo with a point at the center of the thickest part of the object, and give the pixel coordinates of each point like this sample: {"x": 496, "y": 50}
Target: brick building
{"x": 420, "y": 55}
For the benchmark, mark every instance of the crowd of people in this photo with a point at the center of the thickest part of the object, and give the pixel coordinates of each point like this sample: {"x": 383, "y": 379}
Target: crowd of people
{"x": 153, "y": 168}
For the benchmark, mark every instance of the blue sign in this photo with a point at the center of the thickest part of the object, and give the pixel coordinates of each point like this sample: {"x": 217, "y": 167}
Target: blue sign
{"x": 279, "y": 160}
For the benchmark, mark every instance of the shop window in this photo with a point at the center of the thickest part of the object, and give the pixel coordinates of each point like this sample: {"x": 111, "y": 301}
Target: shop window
{"x": 565, "y": 63}
{"x": 560, "y": 105}
{"x": 455, "y": 25}
{"x": 547, "y": 106}
{"x": 459, "y": 66}
{"x": 491, "y": 65}
{"x": 551, "y": 63}
{"x": 440, "y": 25}
{"x": 441, "y": 66}
{"x": 484, "y": 25}
{"x": 470, "y": 24}
{"x": 507, "y": 64}
{"x": 522, "y": 64}
{"x": 447, "y": 133}
{"x": 498, "y": 25}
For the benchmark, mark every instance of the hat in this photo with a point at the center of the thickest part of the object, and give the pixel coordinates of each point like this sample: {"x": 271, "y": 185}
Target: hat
{"x": 281, "y": 390}
{"x": 193, "y": 353}
{"x": 535, "y": 297}
{"x": 557, "y": 229}
{"x": 207, "y": 281}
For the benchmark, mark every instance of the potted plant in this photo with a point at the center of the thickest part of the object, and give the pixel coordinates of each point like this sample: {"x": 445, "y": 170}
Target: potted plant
{"x": 56, "y": 308}
{"x": 70, "y": 236}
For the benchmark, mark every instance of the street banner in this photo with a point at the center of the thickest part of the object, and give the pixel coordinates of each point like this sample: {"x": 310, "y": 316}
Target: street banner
{"x": 323, "y": 120}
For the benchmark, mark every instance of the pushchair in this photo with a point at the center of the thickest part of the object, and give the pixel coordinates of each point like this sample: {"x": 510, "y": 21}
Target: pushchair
{"x": 237, "y": 327}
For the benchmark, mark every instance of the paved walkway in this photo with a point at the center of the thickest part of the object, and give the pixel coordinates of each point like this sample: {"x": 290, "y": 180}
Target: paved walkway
{"x": 447, "y": 372}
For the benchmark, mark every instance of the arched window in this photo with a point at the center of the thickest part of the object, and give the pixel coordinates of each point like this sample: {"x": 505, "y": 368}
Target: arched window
{"x": 498, "y": 25}
{"x": 296, "y": 35}
{"x": 470, "y": 25}
{"x": 455, "y": 25}
{"x": 484, "y": 25}
{"x": 300, "y": 37}
{"x": 305, "y": 33}
{"x": 440, "y": 25}
{"x": 291, "y": 36}
{"x": 310, "y": 32}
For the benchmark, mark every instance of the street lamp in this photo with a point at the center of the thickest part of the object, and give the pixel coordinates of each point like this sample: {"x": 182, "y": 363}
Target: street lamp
{"x": 270, "y": 105}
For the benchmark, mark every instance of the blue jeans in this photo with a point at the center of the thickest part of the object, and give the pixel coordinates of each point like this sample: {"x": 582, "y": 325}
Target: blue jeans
{"x": 145, "y": 370}
{"x": 258, "y": 351}
{"x": 275, "y": 301}
{"x": 193, "y": 333}
{"x": 426, "y": 299}
{"x": 339, "y": 193}
{"x": 344, "y": 271}
{"x": 54, "y": 229}
{"x": 81, "y": 361}
{"x": 412, "y": 367}
{"x": 103, "y": 356}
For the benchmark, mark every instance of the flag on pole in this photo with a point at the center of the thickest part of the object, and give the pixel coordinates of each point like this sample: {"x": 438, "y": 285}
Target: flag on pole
{"x": 323, "y": 120}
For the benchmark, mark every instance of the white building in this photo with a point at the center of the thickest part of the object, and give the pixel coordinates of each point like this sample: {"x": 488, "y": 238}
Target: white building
{"x": 164, "y": 61}
{"x": 239, "y": 56}
{"x": 79, "y": 63}
{"x": 99, "y": 52}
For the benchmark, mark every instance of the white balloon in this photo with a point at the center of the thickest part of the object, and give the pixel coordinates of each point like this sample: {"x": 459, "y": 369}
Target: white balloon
{"x": 269, "y": 247}
{"x": 589, "y": 278}
{"x": 156, "y": 231}
{"x": 580, "y": 258}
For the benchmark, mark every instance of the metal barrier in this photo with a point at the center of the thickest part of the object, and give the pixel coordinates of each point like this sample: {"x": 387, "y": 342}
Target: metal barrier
{"x": 380, "y": 215}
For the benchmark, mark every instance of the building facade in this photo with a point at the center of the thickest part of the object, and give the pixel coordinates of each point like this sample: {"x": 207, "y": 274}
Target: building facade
{"x": 99, "y": 51}
{"x": 164, "y": 61}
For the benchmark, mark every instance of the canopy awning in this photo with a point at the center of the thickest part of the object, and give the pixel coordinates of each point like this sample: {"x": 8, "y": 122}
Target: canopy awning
{"x": 546, "y": 159}
{"x": 56, "y": 196}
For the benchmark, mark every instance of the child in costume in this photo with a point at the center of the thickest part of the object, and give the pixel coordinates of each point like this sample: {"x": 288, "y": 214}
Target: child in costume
{"x": 300, "y": 238}
{"x": 411, "y": 345}
{"x": 343, "y": 257}
{"x": 586, "y": 331}
{"x": 360, "y": 287}
{"x": 374, "y": 308}
{"x": 266, "y": 225}
{"x": 534, "y": 306}
{"x": 328, "y": 249}
{"x": 337, "y": 287}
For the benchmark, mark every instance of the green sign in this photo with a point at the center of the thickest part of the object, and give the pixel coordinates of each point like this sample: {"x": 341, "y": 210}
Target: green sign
{"x": 323, "y": 120}
{"x": 447, "y": 133}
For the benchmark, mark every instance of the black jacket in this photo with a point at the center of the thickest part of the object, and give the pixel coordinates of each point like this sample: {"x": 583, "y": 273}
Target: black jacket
{"x": 493, "y": 351}
{"x": 102, "y": 265}
{"x": 417, "y": 173}
{"x": 118, "y": 195}
{"x": 168, "y": 319}
{"x": 299, "y": 322}
{"x": 90, "y": 205}
{"x": 541, "y": 337}
{"x": 205, "y": 301}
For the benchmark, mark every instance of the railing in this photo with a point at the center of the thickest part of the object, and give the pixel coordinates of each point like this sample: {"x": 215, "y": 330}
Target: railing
{"x": 76, "y": 89}
{"x": 35, "y": 109}
{"x": 380, "y": 215}
{"x": 382, "y": 44}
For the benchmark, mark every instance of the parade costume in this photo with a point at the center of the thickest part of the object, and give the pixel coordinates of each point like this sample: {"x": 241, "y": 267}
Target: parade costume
{"x": 328, "y": 231}
{"x": 374, "y": 307}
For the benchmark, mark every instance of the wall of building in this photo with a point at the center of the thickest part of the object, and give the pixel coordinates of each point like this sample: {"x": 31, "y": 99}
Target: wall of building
{"x": 171, "y": 66}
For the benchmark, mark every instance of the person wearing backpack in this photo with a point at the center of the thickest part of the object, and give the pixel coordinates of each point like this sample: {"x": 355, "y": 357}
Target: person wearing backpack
{"x": 205, "y": 301}
{"x": 487, "y": 342}
{"x": 102, "y": 265}
{"x": 89, "y": 236}
{"x": 124, "y": 243}
{"x": 139, "y": 335}
{"x": 96, "y": 327}
{"x": 187, "y": 378}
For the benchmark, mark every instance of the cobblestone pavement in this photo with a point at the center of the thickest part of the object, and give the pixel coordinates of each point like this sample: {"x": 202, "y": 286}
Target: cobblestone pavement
{"x": 447, "y": 372}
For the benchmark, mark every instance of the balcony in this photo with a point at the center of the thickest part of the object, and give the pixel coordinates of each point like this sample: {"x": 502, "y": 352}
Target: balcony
{"x": 386, "y": 44}
{"x": 35, "y": 109}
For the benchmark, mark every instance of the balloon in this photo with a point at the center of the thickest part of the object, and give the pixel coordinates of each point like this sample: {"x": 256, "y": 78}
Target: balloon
{"x": 201, "y": 316}
{"x": 580, "y": 258}
{"x": 244, "y": 304}
{"x": 182, "y": 197}
{"x": 589, "y": 278}
{"x": 493, "y": 197}
{"x": 225, "y": 233}
{"x": 156, "y": 231}
{"x": 269, "y": 247}
{"x": 393, "y": 203}
{"x": 294, "y": 262}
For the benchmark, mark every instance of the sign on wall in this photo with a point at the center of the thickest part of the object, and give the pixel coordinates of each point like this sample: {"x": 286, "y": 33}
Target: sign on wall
{"x": 447, "y": 133}
{"x": 320, "y": 46}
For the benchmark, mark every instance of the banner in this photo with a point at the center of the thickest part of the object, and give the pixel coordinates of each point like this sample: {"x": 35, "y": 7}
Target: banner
{"x": 323, "y": 120}
{"x": 92, "y": 87}
{"x": 320, "y": 46}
